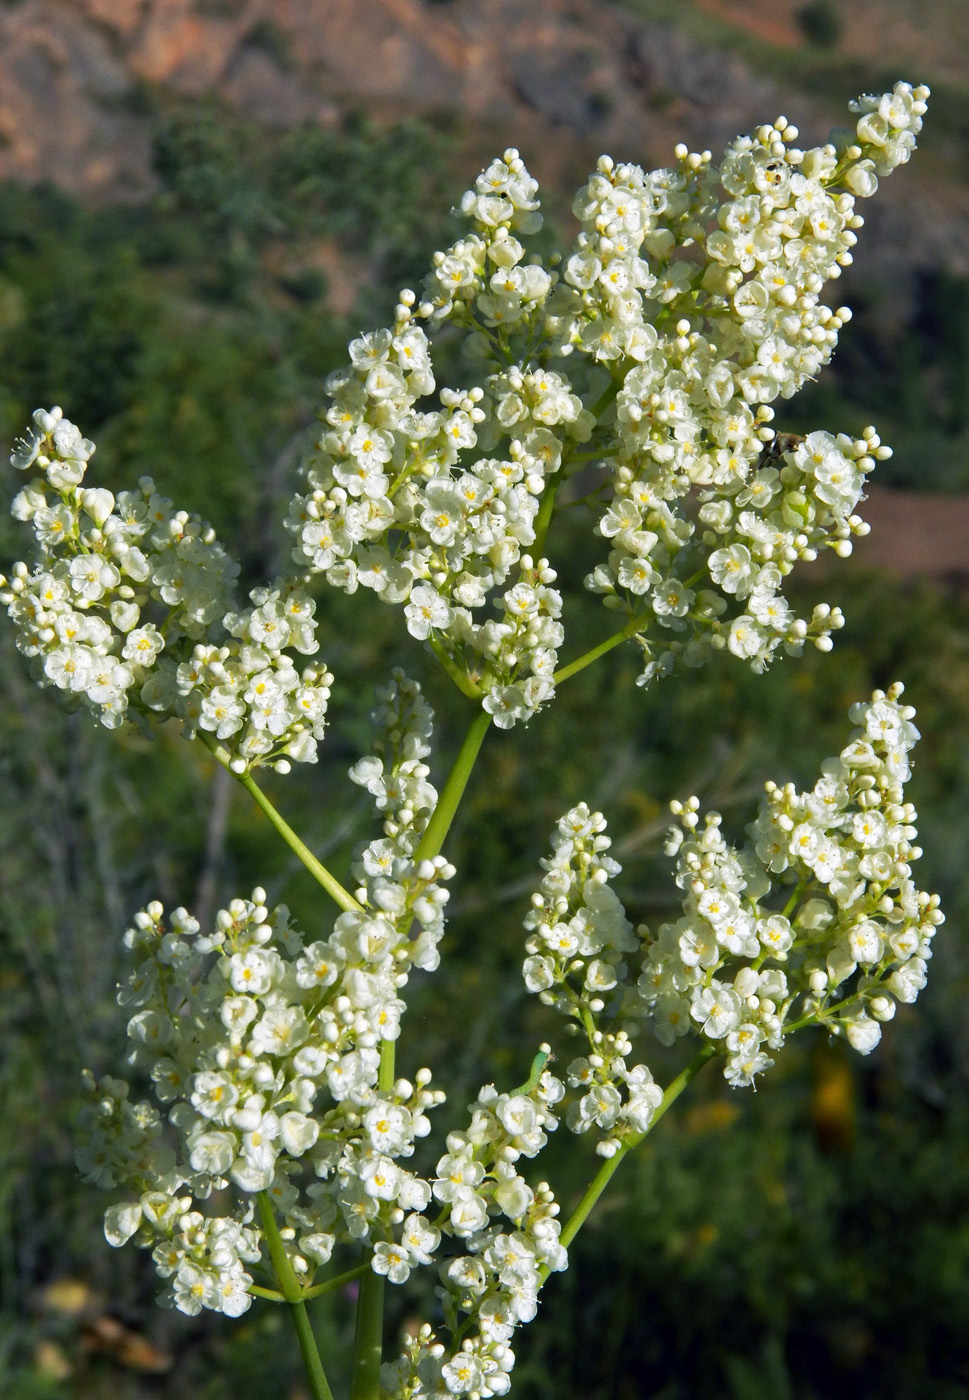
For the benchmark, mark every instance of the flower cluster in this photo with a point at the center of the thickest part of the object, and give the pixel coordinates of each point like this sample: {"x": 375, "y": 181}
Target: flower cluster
{"x": 246, "y": 1031}
{"x": 417, "y": 506}
{"x": 852, "y": 935}
{"x": 816, "y": 921}
{"x": 690, "y": 302}
{"x": 849, "y": 843}
{"x": 129, "y": 611}
{"x": 432, "y": 497}
{"x": 241, "y": 1031}
{"x": 495, "y": 1284}
{"x": 646, "y": 359}
{"x": 708, "y": 344}
{"x": 203, "y": 1258}
{"x": 576, "y": 964}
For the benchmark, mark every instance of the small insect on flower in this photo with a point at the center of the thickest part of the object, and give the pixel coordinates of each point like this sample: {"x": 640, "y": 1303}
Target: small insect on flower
{"x": 778, "y": 445}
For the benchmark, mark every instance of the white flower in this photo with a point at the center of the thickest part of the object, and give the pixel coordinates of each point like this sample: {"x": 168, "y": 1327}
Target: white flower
{"x": 298, "y": 1133}
{"x": 746, "y": 637}
{"x": 393, "y": 1261}
{"x": 419, "y": 1238}
{"x": 281, "y": 1030}
{"x": 863, "y": 1034}
{"x": 426, "y": 611}
{"x": 732, "y": 569}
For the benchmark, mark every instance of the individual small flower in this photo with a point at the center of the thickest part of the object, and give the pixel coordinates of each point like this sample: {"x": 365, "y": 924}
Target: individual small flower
{"x": 391, "y": 1260}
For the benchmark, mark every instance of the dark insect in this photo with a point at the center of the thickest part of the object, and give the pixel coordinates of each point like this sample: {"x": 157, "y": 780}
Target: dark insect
{"x": 778, "y": 445}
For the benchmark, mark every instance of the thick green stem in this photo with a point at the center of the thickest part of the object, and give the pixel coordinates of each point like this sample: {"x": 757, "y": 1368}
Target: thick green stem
{"x": 368, "y": 1338}
{"x": 316, "y": 867}
{"x": 438, "y": 827}
{"x": 609, "y": 1167}
{"x": 634, "y": 625}
{"x": 293, "y": 1294}
{"x": 544, "y": 518}
{"x": 388, "y": 1060}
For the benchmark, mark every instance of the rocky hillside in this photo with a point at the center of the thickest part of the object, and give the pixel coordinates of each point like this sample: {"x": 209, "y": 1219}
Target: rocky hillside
{"x": 562, "y": 79}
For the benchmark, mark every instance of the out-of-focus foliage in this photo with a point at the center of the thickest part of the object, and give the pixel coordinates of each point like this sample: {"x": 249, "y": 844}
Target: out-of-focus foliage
{"x": 908, "y": 373}
{"x": 809, "y": 1241}
{"x": 190, "y": 336}
{"x": 820, "y": 23}
{"x": 366, "y": 188}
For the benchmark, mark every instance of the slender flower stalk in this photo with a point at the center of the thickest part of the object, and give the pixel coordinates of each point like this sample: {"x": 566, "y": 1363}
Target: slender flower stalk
{"x": 610, "y": 1166}
{"x": 632, "y": 627}
{"x": 460, "y": 678}
{"x": 332, "y": 1285}
{"x": 317, "y": 869}
{"x": 271, "y": 1295}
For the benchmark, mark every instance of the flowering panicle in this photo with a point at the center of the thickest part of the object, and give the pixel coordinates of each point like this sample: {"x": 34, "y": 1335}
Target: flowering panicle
{"x": 420, "y": 507}
{"x": 817, "y": 921}
{"x": 494, "y": 1286}
{"x": 850, "y": 939}
{"x": 433, "y": 497}
{"x": 647, "y": 359}
{"x": 248, "y": 1030}
{"x": 127, "y": 610}
{"x": 702, "y": 347}
{"x": 660, "y": 365}
{"x": 245, "y": 1032}
{"x": 576, "y": 964}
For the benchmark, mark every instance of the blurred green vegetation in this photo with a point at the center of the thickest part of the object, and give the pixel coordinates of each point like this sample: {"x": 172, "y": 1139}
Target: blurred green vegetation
{"x": 810, "y": 1240}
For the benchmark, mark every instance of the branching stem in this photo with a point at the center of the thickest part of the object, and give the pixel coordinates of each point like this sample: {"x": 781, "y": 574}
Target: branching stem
{"x": 293, "y": 1295}
{"x": 634, "y": 625}
{"x": 435, "y": 833}
{"x": 609, "y": 1167}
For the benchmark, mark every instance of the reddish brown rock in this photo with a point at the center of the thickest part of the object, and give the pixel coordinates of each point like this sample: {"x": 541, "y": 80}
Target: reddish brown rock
{"x": 915, "y": 533}
{"x": 62, "y": 116}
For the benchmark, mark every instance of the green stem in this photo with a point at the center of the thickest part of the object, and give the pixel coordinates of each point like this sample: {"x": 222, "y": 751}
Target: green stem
{"x": 798, "y": 891}
{"x": 544, "y": 518}
{"x": 463, "y": 682}
{"x": 339, "y": 1281}
{"x": 606, "y": 1172}
{"x": 634, "y": 625}
{"x": 293, "y": 1295}
{"x": 270, "y": 1294}
{"x": 438, "y": 827}
{"x": 818, "y": 1018}
{"x": 387, "y": 1073}
{"x": 368, "y": 1338}
{"x": 547, "y": 508}
{"x": 316, "y": 867}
